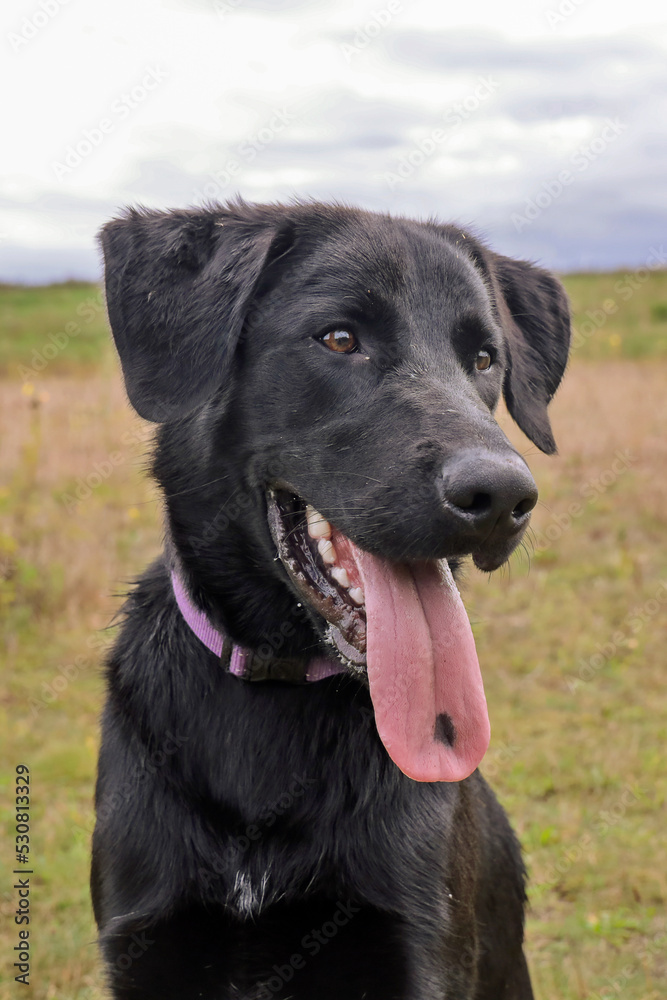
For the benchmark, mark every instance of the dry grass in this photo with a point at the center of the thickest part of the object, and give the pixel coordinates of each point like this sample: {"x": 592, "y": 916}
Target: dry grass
{"x": 566, "y": 749}
{"x": 59, "y": 568}
{"x": 75, "y": 438}
{"x": 572, "y": 649}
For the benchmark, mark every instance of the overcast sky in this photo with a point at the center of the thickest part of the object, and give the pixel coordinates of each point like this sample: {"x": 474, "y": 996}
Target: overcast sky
{"x": 541, "y": 123}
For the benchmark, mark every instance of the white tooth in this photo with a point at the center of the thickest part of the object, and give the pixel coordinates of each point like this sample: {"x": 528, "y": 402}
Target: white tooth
{"x": 357, "y": 595}
{"x": 327, "y": 551}
{"x": 318, "y": 527}
{"x": 340, "y": 576}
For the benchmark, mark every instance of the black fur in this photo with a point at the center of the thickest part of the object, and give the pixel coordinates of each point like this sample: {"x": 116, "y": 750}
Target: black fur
{"x": 254, "y": 840}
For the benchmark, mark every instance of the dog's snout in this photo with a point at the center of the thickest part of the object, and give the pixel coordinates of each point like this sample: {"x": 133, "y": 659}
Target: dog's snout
{"x": 488, "y": 491}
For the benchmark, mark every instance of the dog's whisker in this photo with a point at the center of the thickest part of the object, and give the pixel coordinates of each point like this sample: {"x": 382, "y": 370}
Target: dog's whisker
{"x": 528, "y": 553}
{"x": 360, "y": 475}
{"x": 202, "y": 486}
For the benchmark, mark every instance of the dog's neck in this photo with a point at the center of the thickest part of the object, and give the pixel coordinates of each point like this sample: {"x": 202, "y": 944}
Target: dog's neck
{"x": 249, "y": 664}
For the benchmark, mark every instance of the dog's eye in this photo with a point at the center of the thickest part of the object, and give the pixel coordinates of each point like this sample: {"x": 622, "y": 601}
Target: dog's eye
{"x": 483, "y": 361}
{"x": 341, "y": 341}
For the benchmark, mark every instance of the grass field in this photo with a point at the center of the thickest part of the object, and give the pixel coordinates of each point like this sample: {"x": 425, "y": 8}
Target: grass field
{"x": 571, "y": 640}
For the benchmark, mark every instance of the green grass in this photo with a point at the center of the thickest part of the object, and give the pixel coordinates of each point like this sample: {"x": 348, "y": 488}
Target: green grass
{"x": 571, "y": 644}
{"x": 51, "y": 329}
{"x": 619, "y": 315}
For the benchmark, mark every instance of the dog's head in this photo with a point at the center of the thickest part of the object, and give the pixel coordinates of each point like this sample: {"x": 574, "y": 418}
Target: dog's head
{"x": 335, "y": 372}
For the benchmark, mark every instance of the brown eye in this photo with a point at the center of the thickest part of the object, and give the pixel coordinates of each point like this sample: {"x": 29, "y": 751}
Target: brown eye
{"x": 341, "y": 341}
{"x": 482, "y": 361}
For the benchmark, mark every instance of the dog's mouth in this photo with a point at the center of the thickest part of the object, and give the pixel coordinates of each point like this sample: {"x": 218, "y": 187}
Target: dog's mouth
{"x": 404, "y": 627}
{"x": 304, "y": 539}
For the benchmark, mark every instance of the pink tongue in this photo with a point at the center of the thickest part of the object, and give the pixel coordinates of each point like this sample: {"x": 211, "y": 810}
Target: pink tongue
{"x": 423, "y": 671}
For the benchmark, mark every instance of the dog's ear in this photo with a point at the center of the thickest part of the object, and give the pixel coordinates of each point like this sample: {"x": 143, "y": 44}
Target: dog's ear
{"x": 178, "y": 285}
{"x": 534, "y": 312}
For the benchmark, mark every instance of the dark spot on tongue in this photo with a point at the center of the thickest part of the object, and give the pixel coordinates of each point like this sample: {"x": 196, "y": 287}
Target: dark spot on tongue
{"x": 444, "y": 731}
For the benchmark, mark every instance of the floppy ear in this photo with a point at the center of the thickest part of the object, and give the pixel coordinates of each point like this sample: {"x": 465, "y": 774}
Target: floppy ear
{"x": 178, "y": 285}
{"x": 535, "y": 316}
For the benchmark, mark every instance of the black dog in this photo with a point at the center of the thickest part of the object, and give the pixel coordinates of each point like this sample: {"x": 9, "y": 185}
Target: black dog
{"x": 294, "y": 700}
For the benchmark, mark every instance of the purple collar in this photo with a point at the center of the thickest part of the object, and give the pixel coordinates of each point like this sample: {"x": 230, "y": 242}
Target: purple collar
{"x": 246, "y": 663}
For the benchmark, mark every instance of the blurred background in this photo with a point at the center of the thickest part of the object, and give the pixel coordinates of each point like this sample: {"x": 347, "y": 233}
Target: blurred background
{"x": 540, "y": 125}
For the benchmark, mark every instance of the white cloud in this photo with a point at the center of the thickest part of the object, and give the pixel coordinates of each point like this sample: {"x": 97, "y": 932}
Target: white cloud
{"x": 155, "y": 101}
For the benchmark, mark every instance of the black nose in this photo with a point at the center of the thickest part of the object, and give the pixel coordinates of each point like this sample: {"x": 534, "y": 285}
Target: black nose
{"x": 489, "y": 491}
